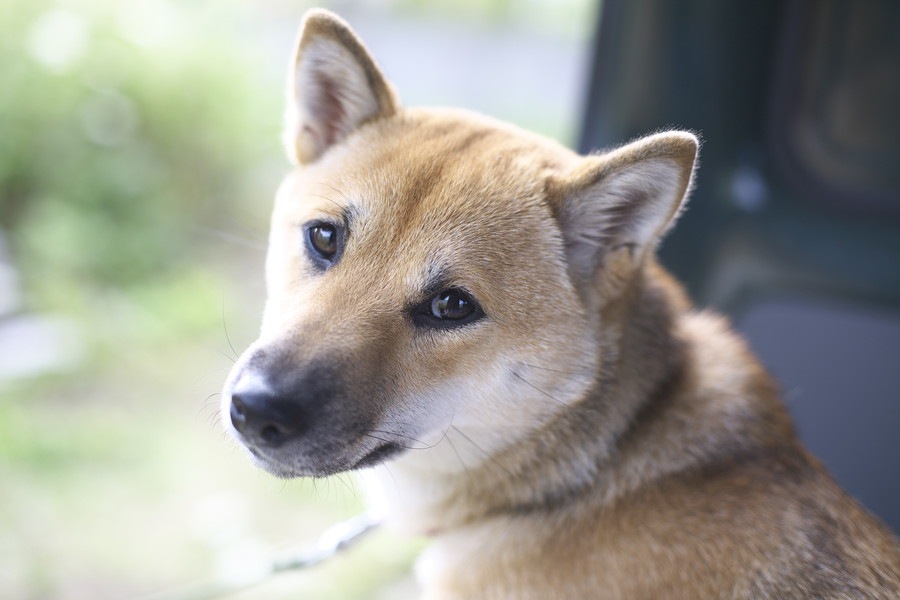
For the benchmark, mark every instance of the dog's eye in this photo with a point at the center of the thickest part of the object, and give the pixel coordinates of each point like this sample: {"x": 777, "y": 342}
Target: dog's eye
{"x": 323, "y": 239}
{"x": 452, "y": 304}
{"x": 324, "y": 243}
{"x": 451, "y": 308}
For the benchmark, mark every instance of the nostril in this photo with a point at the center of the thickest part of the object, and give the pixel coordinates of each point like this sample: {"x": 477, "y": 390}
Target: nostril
{"x": 238, "y": 412}
{"x": 273, "y": 434}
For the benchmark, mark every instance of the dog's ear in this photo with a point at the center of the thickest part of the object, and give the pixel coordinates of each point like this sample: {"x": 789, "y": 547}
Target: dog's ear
{"x": 615, "y": 207}
{"x": 334, "y": 86}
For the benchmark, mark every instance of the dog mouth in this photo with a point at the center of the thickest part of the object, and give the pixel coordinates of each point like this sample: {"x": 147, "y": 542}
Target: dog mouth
{"x": 289, "y": 467}
{"x": 379, "y": 455}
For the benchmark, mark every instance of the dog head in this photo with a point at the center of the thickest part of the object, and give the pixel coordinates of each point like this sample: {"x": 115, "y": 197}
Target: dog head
{"x": 430, "y": 269}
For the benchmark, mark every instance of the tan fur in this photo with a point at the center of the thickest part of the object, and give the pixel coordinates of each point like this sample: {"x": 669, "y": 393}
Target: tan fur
{"x": 592, "y": 436}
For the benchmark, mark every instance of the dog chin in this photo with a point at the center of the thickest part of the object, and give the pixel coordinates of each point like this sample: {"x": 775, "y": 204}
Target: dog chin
{"x": 278, "y": 468}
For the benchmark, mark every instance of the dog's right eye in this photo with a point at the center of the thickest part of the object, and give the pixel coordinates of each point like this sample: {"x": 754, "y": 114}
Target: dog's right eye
{"x": 323, "y": 243}
{"x": 324, "y": 240}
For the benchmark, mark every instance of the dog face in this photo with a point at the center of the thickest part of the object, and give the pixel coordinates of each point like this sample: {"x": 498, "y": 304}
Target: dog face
{"x": 430, "y": 269}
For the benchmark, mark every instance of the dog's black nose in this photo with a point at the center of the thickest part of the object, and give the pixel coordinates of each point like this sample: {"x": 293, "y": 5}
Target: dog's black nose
{"x": 264, "y": 417}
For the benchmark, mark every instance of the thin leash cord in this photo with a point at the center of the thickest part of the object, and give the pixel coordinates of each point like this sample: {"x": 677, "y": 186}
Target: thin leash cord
{"x": 336, "y": 539}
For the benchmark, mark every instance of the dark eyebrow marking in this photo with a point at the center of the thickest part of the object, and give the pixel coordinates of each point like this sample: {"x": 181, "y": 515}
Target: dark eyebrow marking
{"x": 438, "y": 279}
{"x": 350, "y": 214}
{"x": 348, "y": 211}
{"x": 345, "y": 215}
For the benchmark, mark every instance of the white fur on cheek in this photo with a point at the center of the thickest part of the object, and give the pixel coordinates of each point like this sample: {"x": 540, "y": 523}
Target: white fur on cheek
{"x": 483, "y": 414}
{"x": 465, "y": 422}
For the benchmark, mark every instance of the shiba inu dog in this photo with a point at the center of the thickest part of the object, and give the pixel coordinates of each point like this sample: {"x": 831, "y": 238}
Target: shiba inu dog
{"x": 476, "y": 314}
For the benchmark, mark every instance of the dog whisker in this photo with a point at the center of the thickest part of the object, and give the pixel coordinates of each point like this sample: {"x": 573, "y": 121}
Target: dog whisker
{"x": 461, "y": 461}
{"x": 214, "y": 417}
{"x": 227, "y": 337}
{"x": 424, "y": 445}
{"x": 208, "y": 403}
{"x": 387, "y": 468}
{"x": 329, "y": 199}
{"x": 586, "y": 372}
{"x": 375, "y": 437}
{"x": 482, "y": 450}
{"x": 398, "y": 434}
{"x": 388, "y": 441}
{"x": 339, "y": 192}
{"x": 551, "y": 396}
{"x": 349, "y": 485}
{"x": 228, "y": 356}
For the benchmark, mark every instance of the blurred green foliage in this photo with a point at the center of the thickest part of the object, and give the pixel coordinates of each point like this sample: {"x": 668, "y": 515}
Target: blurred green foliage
{"x": 119, "y": 135}
{"x": 135, "y": 136}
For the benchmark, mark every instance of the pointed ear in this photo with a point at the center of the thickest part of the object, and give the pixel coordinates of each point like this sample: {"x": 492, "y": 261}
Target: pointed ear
{"x": 334, "y": 86}
{"x": 623, "y": 201}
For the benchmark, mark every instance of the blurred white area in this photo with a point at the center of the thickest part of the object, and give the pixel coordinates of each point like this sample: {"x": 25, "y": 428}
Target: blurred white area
{"x": 31, "y": 345}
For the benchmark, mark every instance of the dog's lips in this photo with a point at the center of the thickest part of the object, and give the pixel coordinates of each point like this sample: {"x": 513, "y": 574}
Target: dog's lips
{"x": 287, "y": 469}
{"x": 379, "y": 455}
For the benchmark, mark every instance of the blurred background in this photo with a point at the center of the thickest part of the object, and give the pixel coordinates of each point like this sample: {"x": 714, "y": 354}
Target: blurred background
{"x": 794, "y": 227}
{"x": 139, "y": 155}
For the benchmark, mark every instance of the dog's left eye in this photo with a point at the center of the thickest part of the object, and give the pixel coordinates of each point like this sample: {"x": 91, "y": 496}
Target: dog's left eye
{"x": 452, "y": 304}
{"x": 450, "y": 308}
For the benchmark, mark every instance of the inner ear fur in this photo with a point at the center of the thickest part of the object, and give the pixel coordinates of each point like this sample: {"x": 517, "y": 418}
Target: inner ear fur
{"x": 622, "y": 202}
{"x": 334, "y": 86}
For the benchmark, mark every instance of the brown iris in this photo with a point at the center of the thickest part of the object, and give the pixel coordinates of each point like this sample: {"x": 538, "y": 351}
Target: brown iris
{"x": 323, "y": 239}
{"x": 452, "y": 304}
